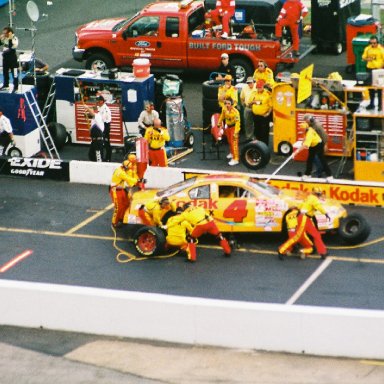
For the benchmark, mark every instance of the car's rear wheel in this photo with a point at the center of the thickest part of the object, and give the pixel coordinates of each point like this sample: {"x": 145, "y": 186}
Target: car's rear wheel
{"x": 354, "y": 229}
{"x": 149, "y": 241}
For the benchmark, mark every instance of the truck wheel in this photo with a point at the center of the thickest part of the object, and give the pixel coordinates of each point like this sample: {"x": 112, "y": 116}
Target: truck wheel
{"x": 354, "y": 229}
{"x": 210, "y": 88}
{"x": 243, "y": 69}
{"x": 100, "y": 60}
{"x": 58, "y": 133}
{"x": 255, "y": 155}
{"x": 149, "y": 241}
{"x": 285, "y": 148}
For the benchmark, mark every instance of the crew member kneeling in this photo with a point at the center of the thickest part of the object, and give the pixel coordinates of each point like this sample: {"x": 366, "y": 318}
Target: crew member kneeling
{"x": 156, "y": 137}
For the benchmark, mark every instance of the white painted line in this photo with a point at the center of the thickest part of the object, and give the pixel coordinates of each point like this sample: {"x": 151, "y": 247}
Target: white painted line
{"x": 309, "y": 281}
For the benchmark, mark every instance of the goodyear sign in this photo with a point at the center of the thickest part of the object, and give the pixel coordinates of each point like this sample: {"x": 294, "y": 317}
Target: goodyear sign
{"x": 351, "y": 194}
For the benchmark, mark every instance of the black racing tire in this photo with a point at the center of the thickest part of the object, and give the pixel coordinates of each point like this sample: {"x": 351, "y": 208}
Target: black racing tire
{"x": 149, "y": 241}
{"x": 14, "y": 152}
{"x": 210, "y": 88}
{"x": 255, "y": 155}
{"x": 285, "y": 148}
{"x": 101, "y": 60}
{"x": 354, "y": 229}
{"x": 58, "y": 133}
{"x": 211, "y": 105}
{"x": 243, "y": 67}
{"x": 207, "y": 118}
{"x": 189, "y": 139}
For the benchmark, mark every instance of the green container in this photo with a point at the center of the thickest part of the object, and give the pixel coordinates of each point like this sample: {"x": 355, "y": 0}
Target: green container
{"x": 358, "y": 44}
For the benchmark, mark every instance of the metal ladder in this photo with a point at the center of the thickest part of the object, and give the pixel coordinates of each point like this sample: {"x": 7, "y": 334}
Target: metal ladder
{"x": 41, "y": 124}
{"x": 49, "y": 101}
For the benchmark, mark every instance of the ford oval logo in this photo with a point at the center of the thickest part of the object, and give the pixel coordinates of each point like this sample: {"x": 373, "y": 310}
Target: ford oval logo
{"x": 142, "y": 44}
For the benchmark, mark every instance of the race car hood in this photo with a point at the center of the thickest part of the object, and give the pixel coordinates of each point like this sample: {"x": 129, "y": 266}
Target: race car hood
{"x": 104, "y": 25}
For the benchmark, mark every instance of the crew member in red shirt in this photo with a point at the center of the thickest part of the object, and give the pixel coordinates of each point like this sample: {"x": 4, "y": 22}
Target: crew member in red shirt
{"x": 291, "y": 14}
{"x": 225, "y": 9}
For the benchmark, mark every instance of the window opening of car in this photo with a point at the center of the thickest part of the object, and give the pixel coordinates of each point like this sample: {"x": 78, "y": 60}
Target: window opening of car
{"x": 200, "y": 192}
{"x": 145, "y": 26}
{"x": 176, "y": 188}
{"x": 172, "y": 25}
{"x": 264, "y": 188}
{"x": 123, "y": 23}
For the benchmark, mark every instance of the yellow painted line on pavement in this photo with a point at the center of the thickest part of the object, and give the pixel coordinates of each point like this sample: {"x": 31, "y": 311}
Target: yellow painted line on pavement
{"x": 90, "y": 219}
{"x": 372, "y": 362}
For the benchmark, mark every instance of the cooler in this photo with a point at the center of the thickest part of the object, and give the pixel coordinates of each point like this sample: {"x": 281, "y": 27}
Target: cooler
{"x": 359, "y": 43}
{"x": 356, "y": 26}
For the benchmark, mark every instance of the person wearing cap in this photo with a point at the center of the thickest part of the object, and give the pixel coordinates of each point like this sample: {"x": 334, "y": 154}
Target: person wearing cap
{"x": 10, "y": 43}
{"x": 261, "y": 102}
{"x": 106, "y": 116}
{"x": 315, "y": 145}
{"x": 222, "y": 14}
{"x": 96, "y": 125}
{"x": 309, "y": 207}
{"x": 373, "y": 55}
{"x": 225, "y": 68}
{"x": 227, "y": 90}
{"x": 262, "y": 72}
{"x": 245, "y": 96}
{"x": 124, "y": 178}
{"x": 230, "y": 118}
{"x": 291, "y": 14}
{"x": 147, "y": 116}
{"x": 6, "y": 133}
{"x": 156, "y": 137}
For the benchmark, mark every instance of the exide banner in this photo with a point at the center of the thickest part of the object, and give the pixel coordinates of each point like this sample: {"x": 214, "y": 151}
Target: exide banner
{"x": 35, "y": 168}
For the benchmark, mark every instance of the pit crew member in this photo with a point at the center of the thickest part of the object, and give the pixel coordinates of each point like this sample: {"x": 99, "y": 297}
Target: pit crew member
{"x": 106, "y": 116}
{"x": 157, "y": 212}
{"x": 227, "y": 90}
{"x": 156, "y": 137}
{"x": 95, "y": 152}
{"x": 230, "y": 117}
{"x": 290, "y": 16}
{"x": 6, "y": 133}
{"x": 10, "y": 42}
{"x": 225, "y": 9}
{"x": 245, "y": 96}
{"x": 262, "y": 72}
{"x": 147, "y": 116}
{"x": 124, "y": 178}
{"x": 296, "y": 224}
{"x": 226, "y": 68}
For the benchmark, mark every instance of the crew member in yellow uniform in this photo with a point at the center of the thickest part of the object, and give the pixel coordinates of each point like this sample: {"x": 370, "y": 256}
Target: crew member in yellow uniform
{"x": 262, "y": 72}
{"x": 123, "y": 179}
{"x": 315, "y": 146}
{"x": 230, "y": 117}
{"x": 227, "y": 90}
{"x": 156, "y": 137}
{"x": 156, "y": 212}
{"x": 177, "y": 236}
{"x": 373, "y": 54}
{"x": 261, "y": 102}
{"x": 202, "y": 222}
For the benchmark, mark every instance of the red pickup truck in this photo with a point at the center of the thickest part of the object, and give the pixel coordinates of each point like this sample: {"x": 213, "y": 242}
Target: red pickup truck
{"x": 174, "y": 35}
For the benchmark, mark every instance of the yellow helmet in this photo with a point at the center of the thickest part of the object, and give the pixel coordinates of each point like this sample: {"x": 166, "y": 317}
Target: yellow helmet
{"x": 132, "y": 158}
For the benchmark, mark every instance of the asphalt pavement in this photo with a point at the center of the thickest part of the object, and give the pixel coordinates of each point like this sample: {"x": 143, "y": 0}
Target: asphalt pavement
{"x": 42, "y": 356}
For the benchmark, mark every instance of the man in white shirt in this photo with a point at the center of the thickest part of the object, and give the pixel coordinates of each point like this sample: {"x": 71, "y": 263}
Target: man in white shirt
{"x": 96, "y": 133}
{"x": 106, "y": 116}
{"x": 147, "y": 117}
{"x": 6, "y": 132}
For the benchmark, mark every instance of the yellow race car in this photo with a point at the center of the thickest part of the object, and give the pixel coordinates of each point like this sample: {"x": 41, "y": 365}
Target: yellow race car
{"x": 243, "y": 204}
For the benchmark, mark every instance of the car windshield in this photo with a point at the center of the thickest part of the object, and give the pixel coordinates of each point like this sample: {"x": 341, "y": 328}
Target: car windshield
{"x": 262, "y": 187}
{"x": 176, "y": 188}
{"x": 123, "y": 23}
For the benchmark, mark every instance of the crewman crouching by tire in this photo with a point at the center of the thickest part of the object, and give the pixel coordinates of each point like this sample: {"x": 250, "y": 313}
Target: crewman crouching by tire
{"x": 156, "y": 137}
{"x": 96, "y": 133}
{"x": 296, "y": 224}
{"x": 309, "y": 207}
{"x": 202, "y": 222}
{"x": 124, "y": 179}
{"x": 156, "y": 212}
{"x": 178, "y": 235}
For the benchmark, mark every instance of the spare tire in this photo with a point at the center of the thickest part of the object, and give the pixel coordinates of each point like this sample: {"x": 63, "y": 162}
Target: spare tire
{"x": 149, "y": 241}
{"x": 210, "y": 88}
{"x": 58, "y": 133}
{"x": 354, "y": 229}
{"x": 255, "y": 155}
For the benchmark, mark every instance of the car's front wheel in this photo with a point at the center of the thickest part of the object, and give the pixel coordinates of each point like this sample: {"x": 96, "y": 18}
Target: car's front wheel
{"x": 100, "y": 61}
{"x": 354, "y": 229}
